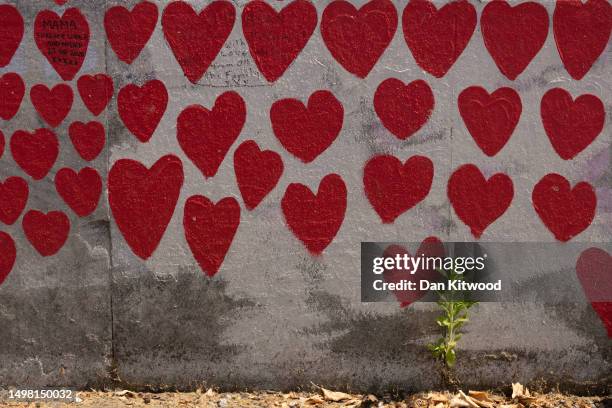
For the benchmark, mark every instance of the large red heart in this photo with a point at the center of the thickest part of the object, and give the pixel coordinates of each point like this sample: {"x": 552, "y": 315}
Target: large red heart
{"x": 35, "y": 152}
{"x": 257, "y": 172}
{"x": 276, "y": 39}
{"x": 477, "y": 201}
{"x": 52, "y": 104}
{"x": 403, "y": 109}
{"x": 438, "y": 37}
{"x": 96, "y": 91}
{"x": 306, "y": 131}
{"x": 206, "y": 135}
{"x": 81, "y": 191}
{"x": 393, "y": 188}
{"x": 565, "y": 211}
{"x": 571, "y": 125}
{"x": 582, "y": 31}
{"x": 196, "y": 39}
{"x": 63, "y": 41}
{"x": 143, "y": 200}
{"x": 46, "y": 232}
{"x": 141, "y": 108}
{"x": 513, "y": 35}
{"x": 8, "y": 254}
{"x": 128, "y": 31}
{"x": 87, "y": 138}
{"x": 210, "y": 230}
{"x": 594, "y": 270}
{"x": 358, "y": 38}
{"x": 12, "y": 89}
{"x": 11, "y": 32}
{"x": 491, "y": 119}
{"x": 13, "y": 198}
{"x": 315, "y": 219}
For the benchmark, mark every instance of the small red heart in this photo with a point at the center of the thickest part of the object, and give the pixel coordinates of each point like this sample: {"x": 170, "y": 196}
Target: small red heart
{"x": 96, "y": 91}
{"x": 13, "y": 198}
{"x": 11, "y": 32}
{"x": 46, "y": 232}
{"x": 63, "y": 41}
{"x": 35, "y": 152}
{"x": 307, "y": 131}
{"x": 210, "y": 230}
{"x": 142, "y": 200}
{"x": 87, "y": 138}
{"x": 566, "y": 212}
{"x": 582, "y": 31}
{"x": 403, "y": 109}
{"x": 478, "y": 201}
{"x": 141, "y": 108}
{"x": 315, "y": 219}
{"x": 8, "y": 254}
{"x": 513, "y": 34}
{"x": 393, "y": 188}
{"x": 128, "y": 31}
{"x": 196, "y": 39}
{"x": 206, "y": 135}
{"x": 358, "y": 38}
{"x": 257, "y": 172}
{"x": 437, "y": 38}
{"x": 54, "y": 104}
{"x": 491, "y": 119}
{"x": 81, "y": 191}
{"x": 276, "y": 39}
{"x": 12, "y": 90}
{"x": 571, "y": 125}
{"x": 594, "y": 270}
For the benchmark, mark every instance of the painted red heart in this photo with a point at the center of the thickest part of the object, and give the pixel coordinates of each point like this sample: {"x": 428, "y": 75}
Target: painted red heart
{"x": 196, "y": 39}
{"x": 63, "y": 41}
{"x": 358, "y": 38}
{"x": 393, "y": 187}
{"x": 35, "y": 152}
{"x": 87, "y": 138}
{"x": 128, "y": 31}
{"x": 46, "y": 232}
{"x": 142, "y": 200}
{"x": 565, "y": 211}
{"x": 141, "y": 108}
{"x": 54, "y": 104}
{"x": 81, "y": 191}
{"x": 1, "y": 143}
{"x": 594, "y": 270}
{"x": 61, "y": 2}
{"x": 11, "y": 32}
{"x": 315, "y": 219}
{"x": 12, "y": 89}
{"x": 96, "y": 91}
{"x": 8, "y": 254}
{"x": 571, "y": 125}
{"x": 307, "y": 131}
{"x": 403, "y": 109}
{"x": 437, "y": 38}
{"x": 13, "y": 198}
{"x": 206, "y": 135}
{"x": 490, "y": 118}
{"x": 210, "y": 230}
{"x": 478, "y": 202}
{"x": 257, "y": 172}
{"x": 276, "y": 39}
{"x": 513, "y": 34}
{"x": 582, "y": 31}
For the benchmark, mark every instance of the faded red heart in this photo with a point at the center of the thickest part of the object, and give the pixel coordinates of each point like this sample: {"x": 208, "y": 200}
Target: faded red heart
{"x": 307, "y": 131}
{"x": 54, "y": 104}
{"x": 393, "y": 188}
{"x": 257, "y": 172}
{"x": 46, "y": 232}
{"x": 35, "y": 152}
{"x": 142, "y": 200}
{"x": 594, "y": 270}
{"x": 11, "y": 32}
{"x": 491, "y": 119}
{"x": 13, "y": 198}
{"x": 12, "y": 90}
{"x": 96, "y": 91}
{"x": 403, "y": 109}
{"x": 141, "y": 108}
{"x": 81, "y": 191}
{"x": 8, "y": 254}
{"x": 210, "y": 230}
{"x": 87, "y": 138}
{"x": 437, "y": 38}
{"x": 565, "y": 211}
{"x": 478, "y": 202}
{"x": 128, "y": 31}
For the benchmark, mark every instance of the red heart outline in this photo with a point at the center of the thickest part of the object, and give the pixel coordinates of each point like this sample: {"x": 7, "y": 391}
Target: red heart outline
{"x": 11, "y": 32}
{"x": 141, "y": 108}
{"x": 129, "y": 31}
{"x": 12, "y": 89}
{"x": 54, "y": 104}
{"x": 96, "y": 91}
{"x": 46, "y": 232}
{"x": 594, "y": 270}
{"x": 81, "y": 191}
{"x": 35, "y": 152}
{"x": 14, "y": 194}
{"x": 88, "y": 139}
{"x": 8, "y": 255}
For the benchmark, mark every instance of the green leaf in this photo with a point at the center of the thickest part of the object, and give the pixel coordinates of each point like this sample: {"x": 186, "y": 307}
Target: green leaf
{"x": 450, "y": 357}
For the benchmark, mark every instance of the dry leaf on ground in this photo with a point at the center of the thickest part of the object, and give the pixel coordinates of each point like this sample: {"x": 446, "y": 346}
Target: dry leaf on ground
{"x": 335, "y": 396}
